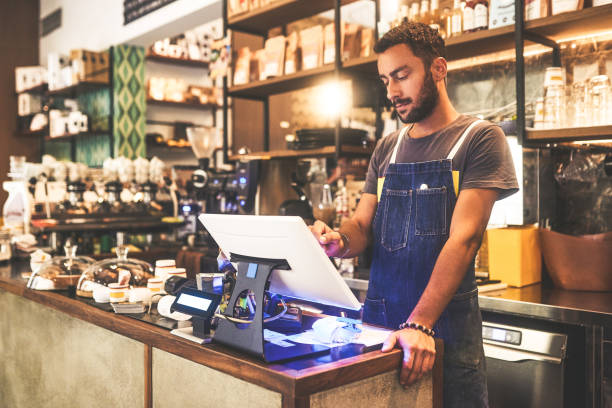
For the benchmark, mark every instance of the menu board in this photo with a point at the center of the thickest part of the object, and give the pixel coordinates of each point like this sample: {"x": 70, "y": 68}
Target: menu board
{"x": 134, "y": 9}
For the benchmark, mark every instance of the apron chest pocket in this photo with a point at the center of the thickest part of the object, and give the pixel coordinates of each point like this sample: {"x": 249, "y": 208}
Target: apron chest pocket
{"x": 395, "y": 218}
{"x": 431, "y": 211}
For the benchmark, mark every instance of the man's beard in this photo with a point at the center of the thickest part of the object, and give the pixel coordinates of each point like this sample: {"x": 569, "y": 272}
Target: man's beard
{"x": 425, "y": 104}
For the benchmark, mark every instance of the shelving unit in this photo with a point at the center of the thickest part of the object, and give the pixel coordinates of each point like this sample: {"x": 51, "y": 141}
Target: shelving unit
{"x": 193, "y": 105}
{"x": 327, "y": 151}
{"x": 158, "y": 107}
{"x": 259, "y": 21}
{"x": 69, "y": 136}
{"x": 546, "y": 31}
{"x": 34, "y": 133}
{"x": 177, "y": 61}
{"x": 73, "y": 90}
{"x": 37, "y": 90}
{"x": 569, "y": 134}
{"x": 285, "y": 83}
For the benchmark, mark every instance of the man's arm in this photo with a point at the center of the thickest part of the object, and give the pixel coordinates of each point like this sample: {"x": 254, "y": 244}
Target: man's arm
{"x": 468, "y": 224}
{"x": 358, "y": 230}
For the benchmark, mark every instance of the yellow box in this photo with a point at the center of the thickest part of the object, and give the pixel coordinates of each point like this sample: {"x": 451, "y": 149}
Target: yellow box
{"x": 514, "y": 255}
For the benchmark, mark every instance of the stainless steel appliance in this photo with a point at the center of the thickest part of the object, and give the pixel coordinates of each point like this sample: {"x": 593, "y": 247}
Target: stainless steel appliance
{"x": 525, "y": 368}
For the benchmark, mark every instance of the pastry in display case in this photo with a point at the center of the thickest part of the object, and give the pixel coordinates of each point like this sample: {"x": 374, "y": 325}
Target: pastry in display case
{"x": 94, "y": 280}
{"x": 60, "y": 272}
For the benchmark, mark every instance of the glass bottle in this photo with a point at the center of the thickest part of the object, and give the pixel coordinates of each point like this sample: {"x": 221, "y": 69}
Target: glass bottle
{"x": 414, "y": 11}
{"x": 554, "y": 106}
{"x": 446, "y": 20}
{"x": 424, "y": 15}
{"x": 481, "y": 15}
{"x": 468, "y": 17}
{"x": 456, "y": 19}
{"x": 435, "y": 19}
{"x": 325, "y": 209}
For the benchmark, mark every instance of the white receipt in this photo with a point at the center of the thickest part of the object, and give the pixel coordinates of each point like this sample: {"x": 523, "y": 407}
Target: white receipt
{"x": 371, "y": 336}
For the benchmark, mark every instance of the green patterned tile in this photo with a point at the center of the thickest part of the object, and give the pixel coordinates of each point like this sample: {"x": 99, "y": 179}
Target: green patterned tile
{"x": 93, "y": 149}
{"x": 58, "y": 149}
{"x": 129, "y": 95}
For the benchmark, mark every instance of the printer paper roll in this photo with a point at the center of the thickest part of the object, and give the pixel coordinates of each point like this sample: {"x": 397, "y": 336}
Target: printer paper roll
{"x": 163, "y": 308}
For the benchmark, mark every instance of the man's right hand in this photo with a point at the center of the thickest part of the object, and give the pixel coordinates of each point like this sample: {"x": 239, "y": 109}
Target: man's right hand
{"x": 330, "y": 240}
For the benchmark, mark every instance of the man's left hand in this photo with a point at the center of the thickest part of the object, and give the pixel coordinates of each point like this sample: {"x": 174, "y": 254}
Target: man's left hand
{"x": 419, "y": 353}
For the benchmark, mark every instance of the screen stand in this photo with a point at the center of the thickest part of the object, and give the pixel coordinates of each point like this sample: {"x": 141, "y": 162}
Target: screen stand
{"x": 252, "y": 274}
{"x": 201, "y": 326}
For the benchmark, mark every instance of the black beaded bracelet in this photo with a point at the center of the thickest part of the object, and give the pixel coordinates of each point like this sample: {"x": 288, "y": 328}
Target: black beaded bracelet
{"x": 416, "y": 326}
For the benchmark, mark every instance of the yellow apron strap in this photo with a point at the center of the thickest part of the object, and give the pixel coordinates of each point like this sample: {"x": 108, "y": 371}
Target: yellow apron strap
{"x": 379, "y": 187}
{"x": 456, "y": 182}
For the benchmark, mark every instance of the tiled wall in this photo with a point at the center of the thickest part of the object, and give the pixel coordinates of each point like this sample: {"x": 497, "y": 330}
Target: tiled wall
{"x": 129, "y": 100}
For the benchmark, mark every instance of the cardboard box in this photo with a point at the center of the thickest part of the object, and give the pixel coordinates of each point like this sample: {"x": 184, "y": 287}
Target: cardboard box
{"x": 564, "y": 6}
{"x": 535, "y": 9}
{"x": 514, "y": 255}
{"x": 236, "y": 7}
{"x": 501, "y": 13}
{"x": 89, "y": 66}
{"x": 29, "y": 77}
{"x": 28, "y": 104}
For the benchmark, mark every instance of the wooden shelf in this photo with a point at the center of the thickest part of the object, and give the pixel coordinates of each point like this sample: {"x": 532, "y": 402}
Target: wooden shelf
{"x": 33, "y": 133}
{"x": 73, "y": 90}
{"x": 285, "y": 83}
{"x": 278, "y": 13}
{"x": 69, "y": 136}
{"x": 192, "y": 105}
{"x": 589, "y": 21}
{"x": 347, "y": 150}
{"x": 569, "y": 134}
{"x": 177, "y": 61}
{"x": 135, "y": 223}
{"x": 40, "y": 89}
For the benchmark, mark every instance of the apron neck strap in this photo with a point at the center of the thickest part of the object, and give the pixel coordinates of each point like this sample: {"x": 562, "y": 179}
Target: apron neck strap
{"x": 452, "y": 153}
{"x": 399, "y": 141}
{"x": 467, "y": 131}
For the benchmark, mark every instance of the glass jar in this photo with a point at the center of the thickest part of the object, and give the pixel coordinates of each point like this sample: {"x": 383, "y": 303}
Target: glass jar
{"x": 578, "y": 105}
{"x": 599, "y": 100}
{"x": 122, "y": 270}
{"x": 554, "y": 107}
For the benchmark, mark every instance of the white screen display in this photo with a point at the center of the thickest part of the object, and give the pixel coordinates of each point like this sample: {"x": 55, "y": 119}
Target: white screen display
{"x": 194, "y": 301}
{"x": 498, "y": 334}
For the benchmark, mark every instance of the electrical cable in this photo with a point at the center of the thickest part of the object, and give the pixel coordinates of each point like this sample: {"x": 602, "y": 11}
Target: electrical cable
{"x": 243, "y": 321}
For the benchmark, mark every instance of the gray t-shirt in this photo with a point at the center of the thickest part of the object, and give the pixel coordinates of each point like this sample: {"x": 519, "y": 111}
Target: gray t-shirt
{"x": 483, "y": 160}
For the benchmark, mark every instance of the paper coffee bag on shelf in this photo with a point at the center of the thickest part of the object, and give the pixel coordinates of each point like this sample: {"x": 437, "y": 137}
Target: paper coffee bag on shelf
{"x": 242, "y": 67}
{"x": 293, "y": 61}
{"x": 312, "y": 47}
{"x": 274, "y": 56}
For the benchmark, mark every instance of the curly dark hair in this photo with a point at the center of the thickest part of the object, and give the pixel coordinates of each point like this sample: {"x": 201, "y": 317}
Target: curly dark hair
{"x": 425, "y": 42}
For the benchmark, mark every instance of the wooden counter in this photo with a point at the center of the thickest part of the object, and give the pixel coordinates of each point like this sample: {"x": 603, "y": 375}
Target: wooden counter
{"x": 48, "y": 338}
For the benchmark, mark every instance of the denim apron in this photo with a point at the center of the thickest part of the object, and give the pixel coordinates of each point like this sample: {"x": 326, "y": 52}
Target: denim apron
{"x": 411, "y": 225}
